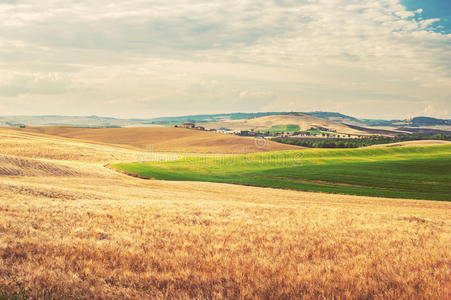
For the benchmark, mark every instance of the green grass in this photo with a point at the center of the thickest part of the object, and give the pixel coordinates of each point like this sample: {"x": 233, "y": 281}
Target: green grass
{"x": 398, "y": 172}
{"x": 284, "y": 128}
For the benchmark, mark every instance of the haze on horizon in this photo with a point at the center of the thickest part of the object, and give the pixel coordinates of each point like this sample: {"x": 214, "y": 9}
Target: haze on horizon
{"x": 369, "y": 58}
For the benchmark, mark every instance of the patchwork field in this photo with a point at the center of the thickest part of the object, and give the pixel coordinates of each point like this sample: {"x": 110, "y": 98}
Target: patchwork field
{"x": 71, "y": 228}
{"x": 398, "y": 172}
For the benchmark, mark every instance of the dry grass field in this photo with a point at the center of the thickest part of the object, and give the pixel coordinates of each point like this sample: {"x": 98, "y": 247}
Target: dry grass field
{"x": 71, "y": 228}
{"x": 162, "y": 139}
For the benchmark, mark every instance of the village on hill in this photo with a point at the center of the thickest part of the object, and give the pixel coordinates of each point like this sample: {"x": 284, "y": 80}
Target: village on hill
{"x": 313, "y": 132}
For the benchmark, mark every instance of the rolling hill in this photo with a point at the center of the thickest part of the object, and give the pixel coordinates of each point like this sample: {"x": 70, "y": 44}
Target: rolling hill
{"x": 97, "y": 121}
{"x": 79, "y": 121}
{"x": 163, "y": 139}
{"x": 379, "y": 172}
{"x": 331, "y": 116}
{"x": 304, "y": 121}
{"x": 207, "y": 117}
{"x": 336, "y": 117}
{"x": 413, "y": 122}
{"x": 72, "y": 229}
{"x": 19, "y": 166}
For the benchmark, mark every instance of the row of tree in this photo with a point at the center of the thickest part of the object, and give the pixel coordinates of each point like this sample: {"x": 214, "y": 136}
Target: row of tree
{"x": 357, "y": 143}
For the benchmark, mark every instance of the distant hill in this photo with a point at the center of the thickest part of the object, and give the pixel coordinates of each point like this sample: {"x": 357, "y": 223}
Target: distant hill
{"x": 414, "y": 122}
{"x": 303, "y": 121}
{"x": 426, "y": 121}
{"x": 96, "y": 121}
{"x": 53, "y": 120}
{"x": 331, "y": 116}
{"x": 207, "y": 118}
{"x": 337, "y": 117}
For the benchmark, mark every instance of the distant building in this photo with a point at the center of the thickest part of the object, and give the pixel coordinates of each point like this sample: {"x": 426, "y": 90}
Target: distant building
{"x": 199, "y": 128}
{"x": 189, "y": 125}
{"x": 224, "y": 130}
{"x": 250, "y": 132}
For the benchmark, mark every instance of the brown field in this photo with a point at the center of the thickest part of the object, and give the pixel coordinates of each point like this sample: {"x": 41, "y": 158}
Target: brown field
{"x": 163, "y": 139}
{"x": 305, "y": 122}
{"x": 71, "y": 228}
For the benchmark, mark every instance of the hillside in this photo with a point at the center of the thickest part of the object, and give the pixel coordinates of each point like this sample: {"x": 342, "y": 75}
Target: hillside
{"x": 18, "y": 166}
{"x": 163, "y": 139}
{"x": 305, "y": 122}
{"x": 25, "y": 144}
{"x": 336, "y": 117}
{"x": 379, "y": 172}
{"x": 73, "y": 229}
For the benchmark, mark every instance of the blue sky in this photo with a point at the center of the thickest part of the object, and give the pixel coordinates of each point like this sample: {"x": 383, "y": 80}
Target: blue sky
{"x": 139, "y": 58}
{"x": 440, "y": 9}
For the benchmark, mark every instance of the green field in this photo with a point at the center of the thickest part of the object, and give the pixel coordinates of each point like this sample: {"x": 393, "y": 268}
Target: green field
{"x": 317, "y": 132}
{"x": 284, "y": 128}
{"x": 398, "y": 172}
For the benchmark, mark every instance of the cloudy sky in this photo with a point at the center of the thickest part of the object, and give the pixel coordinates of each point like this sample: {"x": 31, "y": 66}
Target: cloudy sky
{"x": 147, "y": 58}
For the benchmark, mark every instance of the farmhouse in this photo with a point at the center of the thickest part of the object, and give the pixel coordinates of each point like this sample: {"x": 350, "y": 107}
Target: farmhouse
{"x": 189, "y": 125}
{"x": 247, "y": 133}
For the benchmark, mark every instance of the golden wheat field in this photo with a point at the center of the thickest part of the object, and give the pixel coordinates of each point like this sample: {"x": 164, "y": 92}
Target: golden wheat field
{"x": 72, "y": 229}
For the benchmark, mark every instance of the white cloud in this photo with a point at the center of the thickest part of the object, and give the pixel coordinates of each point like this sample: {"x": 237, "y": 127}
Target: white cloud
{"x": 431, "y": 110}
{"x": 243, "y": 94}
{"x": 140, "y": 54}
{"x": 425, "y": 23}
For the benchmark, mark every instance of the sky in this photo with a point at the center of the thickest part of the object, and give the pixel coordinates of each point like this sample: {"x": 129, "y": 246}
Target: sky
{"x": 148, "y": 58}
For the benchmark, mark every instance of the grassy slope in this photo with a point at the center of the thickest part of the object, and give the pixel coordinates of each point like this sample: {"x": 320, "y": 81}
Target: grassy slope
{"x": 399, "y": 172}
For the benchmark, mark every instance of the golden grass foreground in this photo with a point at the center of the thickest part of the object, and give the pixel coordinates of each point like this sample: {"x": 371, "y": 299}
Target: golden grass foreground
{"x": 70, "y": 228}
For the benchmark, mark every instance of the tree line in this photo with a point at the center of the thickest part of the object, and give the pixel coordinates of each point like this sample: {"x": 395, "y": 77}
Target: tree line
{"x": 357, "y": 143}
